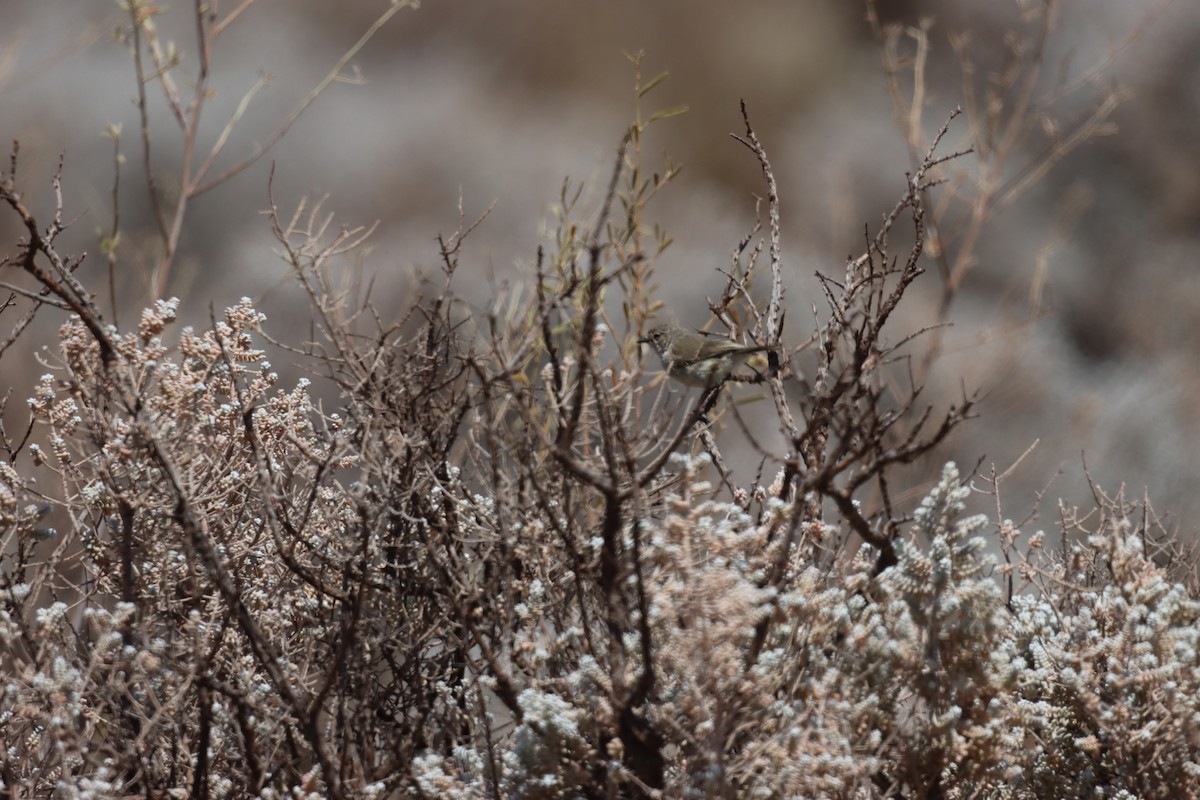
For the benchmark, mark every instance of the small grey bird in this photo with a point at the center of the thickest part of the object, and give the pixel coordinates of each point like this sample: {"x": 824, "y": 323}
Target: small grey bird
{"x": 698, "y": 360}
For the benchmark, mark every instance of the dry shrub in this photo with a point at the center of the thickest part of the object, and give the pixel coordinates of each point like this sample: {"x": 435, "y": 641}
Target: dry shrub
{"x": 510, "y": 564}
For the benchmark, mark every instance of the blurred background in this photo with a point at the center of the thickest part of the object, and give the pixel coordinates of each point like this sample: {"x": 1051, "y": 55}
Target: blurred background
{"x": 1078, "y": 316}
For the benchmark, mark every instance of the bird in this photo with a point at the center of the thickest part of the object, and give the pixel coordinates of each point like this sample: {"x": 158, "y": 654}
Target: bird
{"x": 694, "y": 359}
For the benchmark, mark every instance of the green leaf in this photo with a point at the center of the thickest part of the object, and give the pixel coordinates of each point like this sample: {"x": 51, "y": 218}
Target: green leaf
{"x": 673, "y": 111}
{"x": 655, "y": 81}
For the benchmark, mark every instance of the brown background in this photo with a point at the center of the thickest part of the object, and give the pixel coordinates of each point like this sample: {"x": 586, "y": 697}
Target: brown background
{"x": 1080, "y": 319}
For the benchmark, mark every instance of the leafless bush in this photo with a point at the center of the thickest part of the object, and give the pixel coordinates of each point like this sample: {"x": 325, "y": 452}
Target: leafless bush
{"x": 509, "y": 565}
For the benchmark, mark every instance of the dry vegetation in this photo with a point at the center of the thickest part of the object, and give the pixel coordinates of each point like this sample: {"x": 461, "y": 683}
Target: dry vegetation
{"x": 512, "y": 564}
